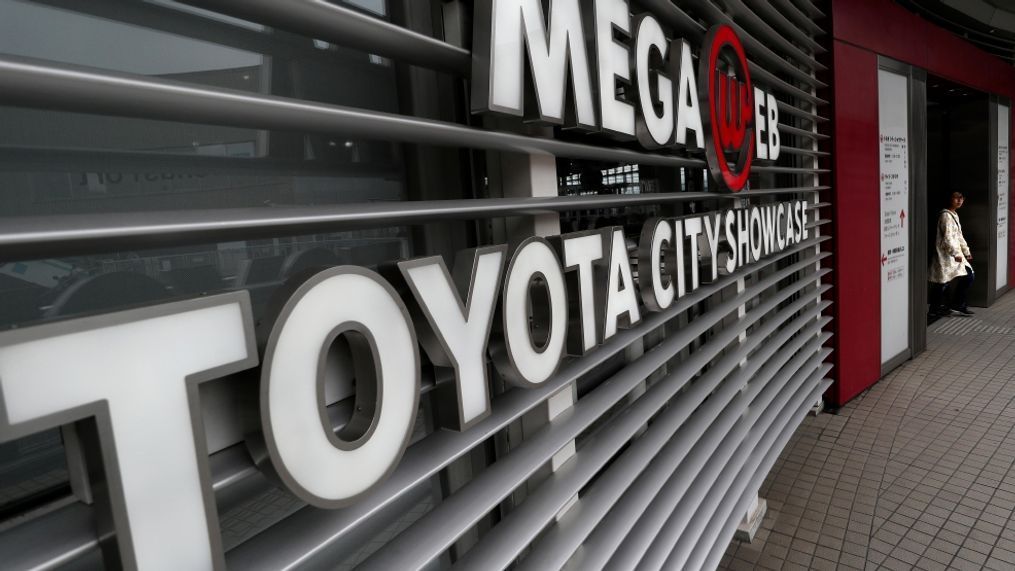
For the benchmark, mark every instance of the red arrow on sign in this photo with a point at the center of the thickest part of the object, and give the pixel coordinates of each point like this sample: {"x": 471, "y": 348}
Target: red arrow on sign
{"x": 902, "y": 217}
{"x": 884, "y": 259}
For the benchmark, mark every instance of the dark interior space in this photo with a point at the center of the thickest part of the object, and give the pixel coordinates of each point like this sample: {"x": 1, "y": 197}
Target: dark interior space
{"x": 958, "y": 159}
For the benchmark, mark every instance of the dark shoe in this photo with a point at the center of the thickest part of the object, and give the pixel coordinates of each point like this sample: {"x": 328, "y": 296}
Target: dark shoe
{"x": 941, "y": 311}
{"x": 963, "y": 311}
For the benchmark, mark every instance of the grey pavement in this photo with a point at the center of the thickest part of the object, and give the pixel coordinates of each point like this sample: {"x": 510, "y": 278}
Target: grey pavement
{"x": 916, "y": 473}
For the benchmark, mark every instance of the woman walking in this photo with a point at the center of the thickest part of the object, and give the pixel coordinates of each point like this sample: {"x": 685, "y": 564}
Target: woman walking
{"x": 951, "y": 268}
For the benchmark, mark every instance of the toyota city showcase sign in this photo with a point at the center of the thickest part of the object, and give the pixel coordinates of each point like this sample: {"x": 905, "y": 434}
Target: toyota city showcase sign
{"x": 667, "y": 105}
{"x": 151, "y": 433}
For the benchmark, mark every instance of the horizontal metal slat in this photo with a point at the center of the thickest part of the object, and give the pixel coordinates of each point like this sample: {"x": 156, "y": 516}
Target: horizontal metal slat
{"x": 791, "y": 170}
{"x": 776, "y": 19}
{"x": 769, "y": 459}
{"x": 777, "y": 84}
{"x": 806, "y": 152}
{"x": 810, "y": 8}
{"x": 440, "y": 527}
{"x": 700, "y": 536}
{"x": 295, "y": 540}
{"x": 346, "y": 27}
{"x": 671, "y": 15}
{"x": 42, "y": 84}
{"x": 800, "y": 113}
{"x": 803, "y": 20}
{"x": 803, "y": 132}
{"x": 46, "y": 236}
{"x": 649, "y": 538}
{"x": 182, "y": 23}
{"x": 525, "y": 522}
{"x": 764, "y": 31}
{"x": 679, "y": 533}
{"x": 818, "y": 222}
{"x": 759, "y": 50}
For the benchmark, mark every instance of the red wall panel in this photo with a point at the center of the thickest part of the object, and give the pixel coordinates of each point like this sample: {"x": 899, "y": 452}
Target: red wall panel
{"x": 856, "y": 214}
{"x": 863, "y": 29}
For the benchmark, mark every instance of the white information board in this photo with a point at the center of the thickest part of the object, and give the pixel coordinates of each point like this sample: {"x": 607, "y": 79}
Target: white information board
{"x": 893, "y": 120}
{"x": 1003, "y": 124}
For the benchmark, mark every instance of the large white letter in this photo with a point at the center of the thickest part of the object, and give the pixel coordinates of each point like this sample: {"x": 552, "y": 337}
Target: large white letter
{"x": 688, "y": 113}
{"x": 582, "y": 253}
{"x": 760, "y": 116}
{"x": 774, "y": 144}
{"x": 621, "y": 301}
{"x": 503, "y": 29}
{"x": 654, "y": 130}
{"x": 137, "y": 373}
{"x": 522, "y": 358}
{"x": 692, "y": 228}
{"x": 614, "y": 62}
{"x": 655, "y": 292}
{"x": 713, "y": 232}
{"x": 322, "y": 467}
{"x": 454, "y": 334}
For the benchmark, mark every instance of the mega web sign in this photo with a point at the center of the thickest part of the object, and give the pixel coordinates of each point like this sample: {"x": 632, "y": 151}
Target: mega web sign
{"x": 594, "y": 67}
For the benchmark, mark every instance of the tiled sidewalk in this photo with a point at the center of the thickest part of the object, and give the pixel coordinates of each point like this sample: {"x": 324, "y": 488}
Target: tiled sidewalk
{"x": 916, "y": 473}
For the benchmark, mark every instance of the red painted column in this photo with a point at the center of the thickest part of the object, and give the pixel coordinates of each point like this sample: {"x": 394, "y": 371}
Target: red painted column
{"x": 856, "y": 213}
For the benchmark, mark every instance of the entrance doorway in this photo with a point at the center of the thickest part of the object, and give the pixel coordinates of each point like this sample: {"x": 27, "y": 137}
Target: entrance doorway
{"x": 959, "y": 159}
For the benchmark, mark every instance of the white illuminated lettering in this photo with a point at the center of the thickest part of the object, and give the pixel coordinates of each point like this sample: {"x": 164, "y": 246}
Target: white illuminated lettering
{"x": 692, "y": 229}
{"x": 768, "y": 229}
{"x": 656, "y": 293}
{"x": 731, "y": 242}
{"x": 137, "y": 373}
{"x": 582, "y": 254}
{"x": 614, "y": 63}
{"x": 322, "y": 467}
{"x": 774, "y": 142}
{"x": 759, "y": 123}
{"x": 525, "y": 358}
{"x": 679, "y": 272}
{"x": 621, "y": 301}
{"x": 713, "y": 231}
{"x": 511, "y": 26}
{"x": 654, "y": 130}
{"x": 688, "y": 112}
{"x": 755, "y": 231}
{"x": 453, "y": 333}
{"x": 780, "y": 236}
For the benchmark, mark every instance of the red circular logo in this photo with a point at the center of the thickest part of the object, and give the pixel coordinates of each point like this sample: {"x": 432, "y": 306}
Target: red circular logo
{"x": 728, "y": 96}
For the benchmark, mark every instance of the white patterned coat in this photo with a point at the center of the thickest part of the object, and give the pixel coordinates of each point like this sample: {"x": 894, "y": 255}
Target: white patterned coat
{"x": 950, "y": 243}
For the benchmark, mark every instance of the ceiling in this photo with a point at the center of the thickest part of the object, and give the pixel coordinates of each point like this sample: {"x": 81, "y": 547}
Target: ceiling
{"x": 990, "y": 24}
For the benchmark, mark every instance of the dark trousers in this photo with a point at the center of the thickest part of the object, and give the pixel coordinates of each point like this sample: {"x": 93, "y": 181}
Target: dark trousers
{"x": 954, "y": 294}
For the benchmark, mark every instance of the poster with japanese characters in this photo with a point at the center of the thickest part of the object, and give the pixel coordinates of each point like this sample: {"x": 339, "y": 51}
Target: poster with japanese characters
{"x": 1003, "y": 127}
{"x": 893, "y": 120}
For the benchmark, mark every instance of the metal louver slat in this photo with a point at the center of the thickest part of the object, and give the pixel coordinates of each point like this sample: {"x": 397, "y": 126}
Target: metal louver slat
{"x": 798, "y": 17}
{"x": 628, "y": 540}
{"x": 807, "y": 152}
{"x": 523, "y": 525}
{"x": 28, "y": 82}
{"x": 28, "y": 237}
{"x": 803, "y": 132}
{"x": 440, "y": 527}
{"x": 800, "y": 113}
{"x": 778, "y": 20}
{"x": 668, "y": 13}
{"x": 346, "y": 27}
{"x": 762, "y": 458}
{"x": 800, "y": 392}
{"x": 765, "y": 32}
{"x": 681, "y": 532}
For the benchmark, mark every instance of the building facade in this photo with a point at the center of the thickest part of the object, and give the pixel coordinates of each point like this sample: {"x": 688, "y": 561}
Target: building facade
{"x": 414, "y": 284}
